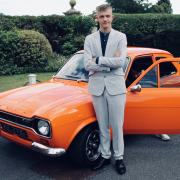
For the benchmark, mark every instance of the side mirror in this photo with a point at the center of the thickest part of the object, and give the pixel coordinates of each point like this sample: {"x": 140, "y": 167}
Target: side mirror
{"x": 136, "y": 88}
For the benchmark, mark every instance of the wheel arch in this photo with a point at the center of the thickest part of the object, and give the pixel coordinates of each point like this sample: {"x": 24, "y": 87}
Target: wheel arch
{"x": 85, "y": 124}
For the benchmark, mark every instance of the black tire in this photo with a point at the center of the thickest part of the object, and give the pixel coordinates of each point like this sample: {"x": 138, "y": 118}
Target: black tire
{"x": 84, "y": 149}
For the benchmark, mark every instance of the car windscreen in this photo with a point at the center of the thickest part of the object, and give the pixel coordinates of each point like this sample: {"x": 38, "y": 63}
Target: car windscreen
{"x": 74, "y": 68}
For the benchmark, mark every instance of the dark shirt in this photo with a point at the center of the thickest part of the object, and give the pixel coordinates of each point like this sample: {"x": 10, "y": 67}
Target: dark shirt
{"x": 104, "y": 38}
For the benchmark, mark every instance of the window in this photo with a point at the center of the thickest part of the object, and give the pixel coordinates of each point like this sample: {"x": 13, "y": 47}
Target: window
{"x": 166, "y": 69}
{"x": 168, "y": 75}
{"x": 140, "y": 64}
{"x": 150, "y": 79}
{"x": 74, "y": 69}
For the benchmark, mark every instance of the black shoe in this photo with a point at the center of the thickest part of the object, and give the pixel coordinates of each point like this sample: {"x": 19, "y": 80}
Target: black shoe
{"x": 101, "y": 163}
{"x": 120, "y": 167}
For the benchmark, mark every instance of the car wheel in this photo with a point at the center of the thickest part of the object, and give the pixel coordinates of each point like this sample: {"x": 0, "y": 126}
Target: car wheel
{"x": 84, "y": 149}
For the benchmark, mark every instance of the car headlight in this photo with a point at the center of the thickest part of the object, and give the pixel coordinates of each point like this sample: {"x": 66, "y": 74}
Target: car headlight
{"x": 43, "y": 127}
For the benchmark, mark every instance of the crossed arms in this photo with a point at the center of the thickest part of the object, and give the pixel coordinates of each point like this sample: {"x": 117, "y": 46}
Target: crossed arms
{"x": 105, "y": 63}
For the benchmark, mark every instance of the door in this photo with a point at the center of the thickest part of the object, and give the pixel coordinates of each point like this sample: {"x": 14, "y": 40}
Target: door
{"x": 156, "y": 109}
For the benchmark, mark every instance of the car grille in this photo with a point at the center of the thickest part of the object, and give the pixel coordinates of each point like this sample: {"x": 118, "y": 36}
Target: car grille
{"x": 15, "y": 131}
{"x": 30, "y": 123}
{"x": 16, "y": 119}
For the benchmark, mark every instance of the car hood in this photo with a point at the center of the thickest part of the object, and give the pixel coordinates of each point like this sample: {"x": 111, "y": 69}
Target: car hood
{"x": 44, "y": 100}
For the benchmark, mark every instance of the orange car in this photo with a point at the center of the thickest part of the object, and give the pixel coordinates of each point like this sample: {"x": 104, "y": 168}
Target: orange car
{"x": 57, "y": 116}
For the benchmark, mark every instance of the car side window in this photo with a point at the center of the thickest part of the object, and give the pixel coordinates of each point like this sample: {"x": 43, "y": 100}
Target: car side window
{"x": 139, "y": 64}
{"x": 150, "y": 79}
{"x": 167, "y": 69}
{"x": 168, "y": 75}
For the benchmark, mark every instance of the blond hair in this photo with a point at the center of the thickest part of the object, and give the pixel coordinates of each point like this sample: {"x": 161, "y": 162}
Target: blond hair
{"x": 103, "y": 7}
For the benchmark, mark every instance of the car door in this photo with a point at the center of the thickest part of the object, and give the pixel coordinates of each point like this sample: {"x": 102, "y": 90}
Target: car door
{"x": 156, "y": 109}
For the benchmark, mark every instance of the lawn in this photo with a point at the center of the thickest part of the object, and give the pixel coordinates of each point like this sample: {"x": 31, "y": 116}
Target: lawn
{"x": 10, "y": 82}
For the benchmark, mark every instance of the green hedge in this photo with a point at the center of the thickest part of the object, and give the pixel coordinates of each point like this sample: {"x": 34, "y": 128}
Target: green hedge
{"x": 66, "y": 34}
{"x": 23, "y": 51}
{"x": 151, "y": 30}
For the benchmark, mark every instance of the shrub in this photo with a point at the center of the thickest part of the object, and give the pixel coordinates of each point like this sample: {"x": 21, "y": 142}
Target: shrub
{"x": 151, "y": 30}
{"x": 23, "y": 51}
{"x": 58, "y": 29}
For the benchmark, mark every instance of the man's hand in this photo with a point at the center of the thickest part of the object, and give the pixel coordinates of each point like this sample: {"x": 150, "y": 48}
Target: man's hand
{"x": 117, "y": 53}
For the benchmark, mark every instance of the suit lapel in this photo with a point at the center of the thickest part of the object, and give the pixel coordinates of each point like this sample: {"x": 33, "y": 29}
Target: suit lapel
{"x": 109, "y": 43}
{"x": 98, "y": 43}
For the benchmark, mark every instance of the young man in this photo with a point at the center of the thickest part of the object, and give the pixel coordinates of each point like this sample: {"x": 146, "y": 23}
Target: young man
{"x": 105, "y": 54}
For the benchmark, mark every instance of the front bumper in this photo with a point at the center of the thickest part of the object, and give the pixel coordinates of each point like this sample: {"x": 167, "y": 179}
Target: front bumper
{"x": 53, "y": 152}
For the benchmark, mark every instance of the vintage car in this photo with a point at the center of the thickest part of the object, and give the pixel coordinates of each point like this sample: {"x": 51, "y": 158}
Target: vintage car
{"x": 57, "y": 116}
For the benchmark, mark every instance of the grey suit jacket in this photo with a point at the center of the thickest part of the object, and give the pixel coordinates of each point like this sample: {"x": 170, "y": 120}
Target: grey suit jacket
{"x": 108, "y": 72}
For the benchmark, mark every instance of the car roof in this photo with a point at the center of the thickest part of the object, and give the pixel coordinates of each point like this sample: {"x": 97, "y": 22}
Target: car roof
{"x": 140, "y": 50}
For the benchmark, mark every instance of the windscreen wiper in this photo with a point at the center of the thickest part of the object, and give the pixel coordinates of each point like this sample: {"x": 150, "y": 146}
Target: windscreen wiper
{"x": 72, "y": 76}
{"x": 79, "y": 79}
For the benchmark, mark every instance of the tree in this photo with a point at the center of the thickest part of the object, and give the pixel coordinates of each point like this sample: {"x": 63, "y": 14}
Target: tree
{"x": 140, "y": 6}
{"x": 127, "y": 6}
{"x": 162, "y": 6}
